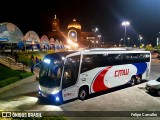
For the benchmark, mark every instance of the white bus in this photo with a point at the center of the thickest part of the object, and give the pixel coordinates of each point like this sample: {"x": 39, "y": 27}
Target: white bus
{"x": 68, "y": 75}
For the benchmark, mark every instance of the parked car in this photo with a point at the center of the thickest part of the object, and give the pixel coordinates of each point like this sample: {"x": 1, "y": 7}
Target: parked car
{"x": 153, "y": 86}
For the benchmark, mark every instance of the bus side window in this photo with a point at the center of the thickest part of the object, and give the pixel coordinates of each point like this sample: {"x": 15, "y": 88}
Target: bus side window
{"x": 70, "y": 73}
{"x": 89, "y": 62}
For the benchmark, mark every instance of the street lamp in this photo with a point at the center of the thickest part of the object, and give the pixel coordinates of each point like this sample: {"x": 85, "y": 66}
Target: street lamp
{"x": 128, "y": 41}
{"x": 99, "y": 38}
{"x": 140, "y": 39}
{"x": 125, "y": 24}
{"x": 158, "y": 39}
{"x": 95, "y": 34}
{"x": 121, "y": 40}
{"x": 95, "y": 30}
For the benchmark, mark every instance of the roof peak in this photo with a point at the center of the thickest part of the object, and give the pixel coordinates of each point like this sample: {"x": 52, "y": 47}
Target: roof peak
{"x": 55, "y": 17}
{"x": 74, "y": 24}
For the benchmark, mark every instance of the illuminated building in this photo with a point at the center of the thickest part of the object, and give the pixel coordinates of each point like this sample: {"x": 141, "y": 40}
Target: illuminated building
{"x": 74, "y": 34}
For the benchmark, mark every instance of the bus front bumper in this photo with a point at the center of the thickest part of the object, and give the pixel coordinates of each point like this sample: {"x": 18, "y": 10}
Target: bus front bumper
{"x": 53, "y": 97}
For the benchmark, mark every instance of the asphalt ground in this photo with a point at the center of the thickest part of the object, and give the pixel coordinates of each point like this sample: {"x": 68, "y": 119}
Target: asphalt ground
{"x": 112, "y": 104}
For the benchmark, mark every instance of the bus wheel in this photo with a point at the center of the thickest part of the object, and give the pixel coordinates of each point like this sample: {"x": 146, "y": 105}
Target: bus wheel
{"x": 133, "y": 81}
{"x": 83, "y": 93}
{"x": 139, "y": 79}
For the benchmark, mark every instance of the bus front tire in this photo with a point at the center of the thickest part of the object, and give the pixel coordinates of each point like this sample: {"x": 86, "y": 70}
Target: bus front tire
{"x": 83, "y": 93}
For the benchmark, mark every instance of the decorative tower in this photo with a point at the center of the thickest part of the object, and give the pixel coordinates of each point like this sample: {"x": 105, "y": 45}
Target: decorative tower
{"x": 74, "y": 29}
{"x": 55, "y": 24}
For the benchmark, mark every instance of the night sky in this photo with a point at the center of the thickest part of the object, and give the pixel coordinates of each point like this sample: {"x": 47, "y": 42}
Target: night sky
{"x": 107, "y": 15}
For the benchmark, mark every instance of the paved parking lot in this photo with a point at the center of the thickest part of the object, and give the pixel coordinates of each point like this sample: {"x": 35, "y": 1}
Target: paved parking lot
{"x": 154, "y": 96}
{"x": 122, "y": 99}
{"x": 131, "y": 98}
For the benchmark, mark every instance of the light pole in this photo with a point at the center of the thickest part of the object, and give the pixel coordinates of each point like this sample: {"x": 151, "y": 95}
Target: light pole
{"x": 158, "y": 39}
{"x": 125, "y": 24}
{"x": 99, "y": 38}
{"x": 128, "y": 41}
{"x": 140, "y": 39}
{"x": 95, "y": 30}
{"x": 121, "y": 40}
{"x": 95, "y": 34}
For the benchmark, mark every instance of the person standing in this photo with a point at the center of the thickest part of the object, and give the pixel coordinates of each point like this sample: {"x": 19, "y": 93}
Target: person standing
{"x": 37, "y": 60}
{"x": 32, "y": 65}
{"x": 32, "y": 57}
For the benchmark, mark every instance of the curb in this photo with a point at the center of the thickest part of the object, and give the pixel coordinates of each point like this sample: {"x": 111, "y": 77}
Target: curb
{"x": 18, "y": 83}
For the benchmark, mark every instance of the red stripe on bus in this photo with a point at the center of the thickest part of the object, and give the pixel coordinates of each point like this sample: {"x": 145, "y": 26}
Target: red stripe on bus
{"x": 98, "y": 84}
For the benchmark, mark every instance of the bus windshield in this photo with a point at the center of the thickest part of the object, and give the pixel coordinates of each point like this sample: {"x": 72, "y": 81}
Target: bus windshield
{"x": 158, "y": 79}
{"x": 50, "y": 74}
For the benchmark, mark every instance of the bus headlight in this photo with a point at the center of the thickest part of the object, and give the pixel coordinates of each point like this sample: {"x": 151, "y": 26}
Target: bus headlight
{"x": 57, "y": 98}
{"x": 55, "y": 91}
{"x": 39, "y": 87}
{"x": 47, "y": 61}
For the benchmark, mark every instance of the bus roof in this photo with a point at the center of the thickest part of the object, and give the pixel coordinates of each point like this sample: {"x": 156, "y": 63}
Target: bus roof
{"x": 113, "y": 51}
{"x": 59, "y": 55}
{"x": 102, "y": 49}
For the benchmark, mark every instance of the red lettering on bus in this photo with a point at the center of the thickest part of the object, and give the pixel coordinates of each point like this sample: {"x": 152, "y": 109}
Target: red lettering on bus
{"x": 67, "y": 94}
{"x": 121, "y": 72}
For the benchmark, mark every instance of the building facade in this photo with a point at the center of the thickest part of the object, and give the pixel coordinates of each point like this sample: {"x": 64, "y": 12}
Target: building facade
{"x": 73, "y": 35}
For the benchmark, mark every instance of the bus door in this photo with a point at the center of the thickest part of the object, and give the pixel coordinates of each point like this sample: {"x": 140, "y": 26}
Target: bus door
{"x": 70, "y": 77}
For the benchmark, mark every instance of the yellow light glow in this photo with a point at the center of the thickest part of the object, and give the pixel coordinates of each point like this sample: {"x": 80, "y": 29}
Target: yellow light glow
{"x": 69, "y": 41}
